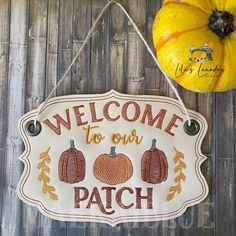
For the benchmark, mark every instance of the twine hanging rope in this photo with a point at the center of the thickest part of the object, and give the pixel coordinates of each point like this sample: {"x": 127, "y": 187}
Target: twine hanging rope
{"x": 85, "y": 42}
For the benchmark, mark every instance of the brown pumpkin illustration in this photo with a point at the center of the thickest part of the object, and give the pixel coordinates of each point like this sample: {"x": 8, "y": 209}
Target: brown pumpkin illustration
{"x": 154, "y": 165}
{"x": 71, "y": 166}
{"x": 113, "y": 168}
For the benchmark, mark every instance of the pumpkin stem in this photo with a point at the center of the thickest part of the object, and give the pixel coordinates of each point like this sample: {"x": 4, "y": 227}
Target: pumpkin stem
{"x": 154, "y": 141}
{"x": 113, "y": 152}
{"x": 72, "y": 143}
{"x": 222, "y": 23}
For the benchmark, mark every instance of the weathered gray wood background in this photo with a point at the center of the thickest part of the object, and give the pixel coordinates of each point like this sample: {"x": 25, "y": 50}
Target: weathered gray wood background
{"x": 38, "y": 39}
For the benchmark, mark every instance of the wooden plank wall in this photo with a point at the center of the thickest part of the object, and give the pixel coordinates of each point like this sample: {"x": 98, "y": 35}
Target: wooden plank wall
{"x": 38, "y": 39}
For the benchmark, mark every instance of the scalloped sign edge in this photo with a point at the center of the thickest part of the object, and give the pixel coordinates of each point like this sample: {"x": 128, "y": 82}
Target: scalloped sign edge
{"x": 111, "y": 94}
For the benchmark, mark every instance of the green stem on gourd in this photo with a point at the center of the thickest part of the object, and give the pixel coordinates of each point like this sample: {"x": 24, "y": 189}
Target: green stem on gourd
{"x": 72, "y": 143}
{"x": 154, "y": 141}
{"x": 113, "y": 152}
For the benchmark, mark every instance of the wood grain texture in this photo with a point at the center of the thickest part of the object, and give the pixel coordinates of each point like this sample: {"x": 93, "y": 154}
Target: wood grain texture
{"x": 47, "y": 226}
{"x": 38, "y": 39}
{"x": 118, "y": 49}
{"x": 225, "y": 163}
{"x": 4, "y": 61}
{"x": 16, "y": 90}
{"x": 35, "y": 85}
{"x": 136, "y": 48}
{"x": 81, "y": 69}
{"x": 80, "y": 74}
{"x": 206, "y": 219}
{"x": 52, "y": 45}
{"x": 65, "y": 45}
{"x": 99, "y": 51}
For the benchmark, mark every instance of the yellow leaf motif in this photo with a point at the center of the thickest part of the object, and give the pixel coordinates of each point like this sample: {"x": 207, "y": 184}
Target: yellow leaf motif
{"x": 51, "y": 189}
{"x": 46, "y": 159}
{"x": 41, "y": 164}
{"x": 178, "y": 156}
{"x": 180, "y": 165}
{"x": 180, "y": 177}
{"x": 45, "y": 189}
{"x": 44, "y": 154}
{"x": 177, "y": 169}
{"x": 43, "y": 177}
{"x": 178, "y": 188}
{"x": 46, "y": 169}
{"x": 170, "y": 196}
{"x": 173, "y": 188}
{"x": 53, "y": 196}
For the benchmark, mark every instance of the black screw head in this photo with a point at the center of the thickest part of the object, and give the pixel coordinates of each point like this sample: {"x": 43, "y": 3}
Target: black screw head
{"x": 32, "y": 129}
{"x": 192, "y": 129}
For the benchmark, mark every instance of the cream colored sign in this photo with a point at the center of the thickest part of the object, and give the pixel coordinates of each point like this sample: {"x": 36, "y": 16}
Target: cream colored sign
{"x": 112, "y": 158}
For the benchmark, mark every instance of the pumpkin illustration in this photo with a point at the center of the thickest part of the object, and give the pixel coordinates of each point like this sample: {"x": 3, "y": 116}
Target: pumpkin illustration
{"x": 71, "y": 166}
{"x": 113, "y": 168}
{"x": 154, "y": 166}
{"x": 195, "y": 42}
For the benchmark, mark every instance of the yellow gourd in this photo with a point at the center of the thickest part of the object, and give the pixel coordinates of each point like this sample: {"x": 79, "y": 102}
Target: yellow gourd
{"x": 195, "y": 42}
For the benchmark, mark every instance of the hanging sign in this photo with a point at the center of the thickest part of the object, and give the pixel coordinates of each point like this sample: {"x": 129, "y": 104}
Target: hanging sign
{"x": 112, "y": 158}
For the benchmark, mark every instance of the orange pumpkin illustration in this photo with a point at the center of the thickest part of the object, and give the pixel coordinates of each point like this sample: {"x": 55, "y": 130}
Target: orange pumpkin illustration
{"x": 113, "y": 168}
{"x": 154, "y": 165}
{"x": 71, "y": 166}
